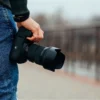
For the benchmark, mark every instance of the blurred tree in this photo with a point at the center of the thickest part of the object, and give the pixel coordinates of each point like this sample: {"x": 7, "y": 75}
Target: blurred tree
{"x": 95, "y": 20}
{"x": 58, "y": 19}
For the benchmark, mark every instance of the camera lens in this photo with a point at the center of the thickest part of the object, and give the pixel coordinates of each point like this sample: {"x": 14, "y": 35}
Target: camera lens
{"x": 50, "y": 58}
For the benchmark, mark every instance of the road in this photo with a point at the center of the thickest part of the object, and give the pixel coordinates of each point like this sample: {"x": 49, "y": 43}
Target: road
{"x": 35, "y": 83}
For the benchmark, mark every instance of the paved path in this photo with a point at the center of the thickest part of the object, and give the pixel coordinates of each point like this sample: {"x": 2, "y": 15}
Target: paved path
{"x": 38, "y": 84}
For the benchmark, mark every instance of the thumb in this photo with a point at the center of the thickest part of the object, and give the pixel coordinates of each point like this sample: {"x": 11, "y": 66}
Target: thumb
{"x": 18, "y": 25}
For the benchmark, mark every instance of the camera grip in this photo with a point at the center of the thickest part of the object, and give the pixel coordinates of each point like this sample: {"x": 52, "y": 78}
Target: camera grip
{"x": 18, "y": 53}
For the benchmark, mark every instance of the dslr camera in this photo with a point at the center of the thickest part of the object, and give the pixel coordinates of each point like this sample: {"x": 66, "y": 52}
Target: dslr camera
{"x": 22, "y": 50}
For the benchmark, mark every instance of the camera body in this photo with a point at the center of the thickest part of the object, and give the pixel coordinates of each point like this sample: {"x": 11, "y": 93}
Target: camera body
{"x": 22, "y": 50}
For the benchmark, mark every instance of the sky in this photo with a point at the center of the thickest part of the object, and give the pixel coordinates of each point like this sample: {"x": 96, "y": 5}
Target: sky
{"x": 72, "y": 9}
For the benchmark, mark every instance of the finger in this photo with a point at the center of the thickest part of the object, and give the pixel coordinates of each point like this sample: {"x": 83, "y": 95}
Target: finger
{"x": 39, "y": 37}
{"x": 31, "y": 38}
{"x": 41, "y": 34}
{"x": 35, "y": 32}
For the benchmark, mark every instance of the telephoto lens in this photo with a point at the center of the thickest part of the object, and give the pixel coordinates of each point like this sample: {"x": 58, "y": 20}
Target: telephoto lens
{"x": 50, "y": 58}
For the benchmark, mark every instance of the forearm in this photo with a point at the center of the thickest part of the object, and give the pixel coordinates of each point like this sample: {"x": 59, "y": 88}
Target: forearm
{"x": 21, "y": 12}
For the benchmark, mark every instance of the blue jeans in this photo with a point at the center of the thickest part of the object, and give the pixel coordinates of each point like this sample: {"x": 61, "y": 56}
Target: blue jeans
{"x": 8, "y": 71}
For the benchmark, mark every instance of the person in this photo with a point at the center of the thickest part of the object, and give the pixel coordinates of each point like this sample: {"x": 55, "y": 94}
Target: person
{"x": 12, "y": 12}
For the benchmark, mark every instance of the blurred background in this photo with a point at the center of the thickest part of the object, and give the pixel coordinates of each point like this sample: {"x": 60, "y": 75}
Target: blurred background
{"x": 73, "y": 26}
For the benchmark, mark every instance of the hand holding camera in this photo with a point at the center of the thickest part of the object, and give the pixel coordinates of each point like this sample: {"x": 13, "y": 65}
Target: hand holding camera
{"x": 34, "y": 27}
{"x": 22, "y": 50}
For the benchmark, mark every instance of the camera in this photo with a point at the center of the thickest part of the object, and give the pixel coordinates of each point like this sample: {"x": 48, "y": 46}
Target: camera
{"x": 50, "y": 58}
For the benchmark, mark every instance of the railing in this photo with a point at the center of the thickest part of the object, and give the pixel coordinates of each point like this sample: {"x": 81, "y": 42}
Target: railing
{"x": 77, "y": 43}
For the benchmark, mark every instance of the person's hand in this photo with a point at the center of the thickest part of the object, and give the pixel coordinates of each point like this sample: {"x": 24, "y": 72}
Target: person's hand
{"x": 34, "y": 27}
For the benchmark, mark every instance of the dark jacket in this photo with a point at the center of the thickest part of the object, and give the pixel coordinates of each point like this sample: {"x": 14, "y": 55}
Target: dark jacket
{"x": 5, "y": 3}
{"x": 18, "y": 7}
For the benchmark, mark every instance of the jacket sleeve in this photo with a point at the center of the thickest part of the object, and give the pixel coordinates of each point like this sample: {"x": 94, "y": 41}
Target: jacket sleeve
{"x": 19, "y": 7}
